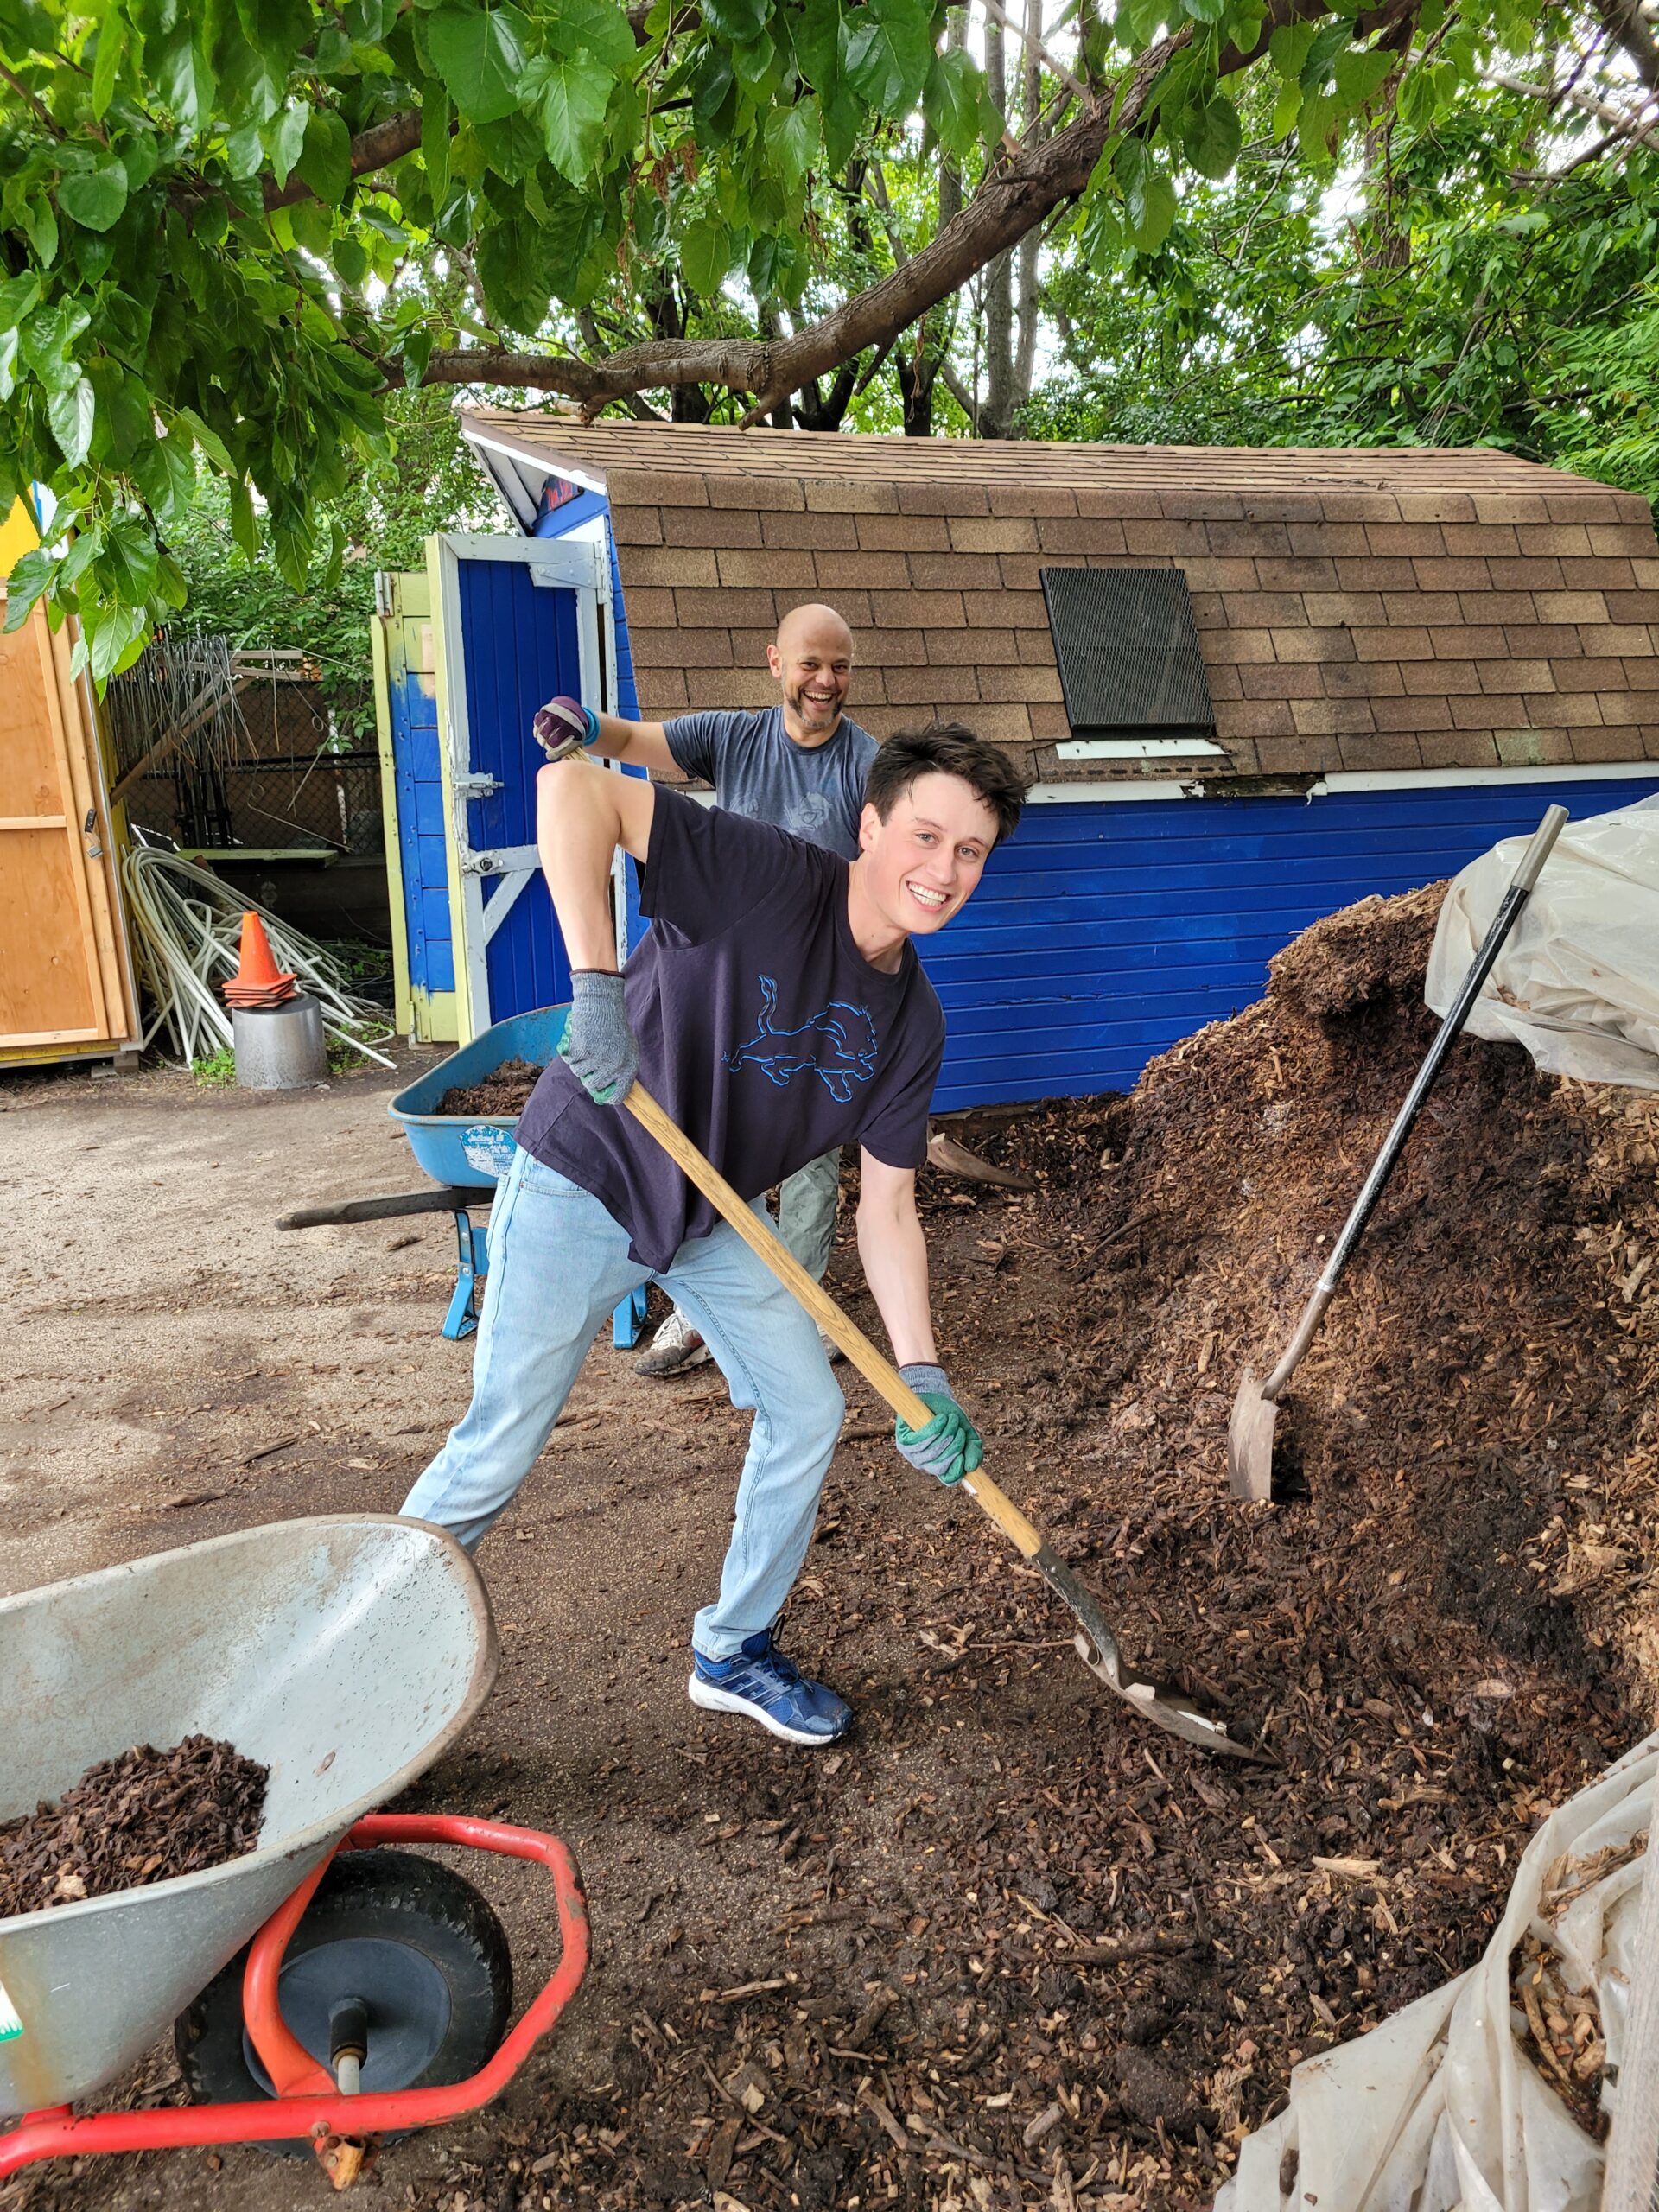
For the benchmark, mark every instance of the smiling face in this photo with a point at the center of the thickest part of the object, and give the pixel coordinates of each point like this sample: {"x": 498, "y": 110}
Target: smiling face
{"x": 812, "y": 661}
{"x": 921, "y": 865}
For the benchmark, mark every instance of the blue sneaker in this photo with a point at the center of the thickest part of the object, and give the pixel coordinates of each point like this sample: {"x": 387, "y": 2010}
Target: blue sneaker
{"x": 759, "y": 1681}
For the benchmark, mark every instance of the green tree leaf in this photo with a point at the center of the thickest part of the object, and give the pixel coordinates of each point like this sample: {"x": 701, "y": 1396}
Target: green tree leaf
{"x": 106, "y": 62}
{"x": 1211, "y": 137}
{"x": 71, "y": 413}
{"x": 793, "y": 136}
{"x": 954, "y": 100}
{"x": 209, "y": 439}
{"x": 182, "y": 71}
{"x": 165, "y": 474}
{"x": 285, "y": 136}
{"x": 129, "y": 561}
{"x": 705, "y": 256}
{"x": 598, "y": 29}
{"x": 479, "y": 53}
{"x": 325, "y": 161}
{"x": 737, "y": 21}
{"x": 887, "y": 53}
{"x": 1151, "y": 212}
{"x": 574, "y": 97}
{"x": 512, "y": 269}
{"x": 32, "y": 574}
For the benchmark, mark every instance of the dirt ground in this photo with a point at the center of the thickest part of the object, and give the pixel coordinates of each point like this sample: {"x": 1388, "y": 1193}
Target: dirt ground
{"x": 1007, "y": 1947}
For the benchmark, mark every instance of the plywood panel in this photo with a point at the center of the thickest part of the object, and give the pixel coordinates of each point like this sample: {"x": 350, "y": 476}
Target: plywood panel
{"x": 64, "y": 975}
{"x": 30, "y": 782}
{"x": 45, "y": 979}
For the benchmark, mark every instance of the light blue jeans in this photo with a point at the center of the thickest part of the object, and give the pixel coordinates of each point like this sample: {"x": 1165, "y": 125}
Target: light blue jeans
{"x": 559, "y": 1264}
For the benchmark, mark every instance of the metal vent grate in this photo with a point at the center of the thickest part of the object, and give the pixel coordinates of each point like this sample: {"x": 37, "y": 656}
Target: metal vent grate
{"x": 1128, "y": 652}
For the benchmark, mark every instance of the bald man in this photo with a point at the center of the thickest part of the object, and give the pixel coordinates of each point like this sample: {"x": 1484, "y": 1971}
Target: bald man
{"x": 800, "y": 764}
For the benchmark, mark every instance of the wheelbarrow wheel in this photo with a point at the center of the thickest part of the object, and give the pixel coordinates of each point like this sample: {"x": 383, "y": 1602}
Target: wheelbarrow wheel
{"x": 415, "y": 1946}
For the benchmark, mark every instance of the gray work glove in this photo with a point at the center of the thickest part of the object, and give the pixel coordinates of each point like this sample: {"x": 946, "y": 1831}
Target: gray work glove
{"x": 949, "y": 1446}
{"x": 598, "y": 1047}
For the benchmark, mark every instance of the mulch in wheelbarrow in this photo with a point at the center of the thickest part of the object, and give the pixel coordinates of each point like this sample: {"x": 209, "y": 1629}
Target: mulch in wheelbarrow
{"x": 131, "y": 1821}
{"x": 505, "y": 1090}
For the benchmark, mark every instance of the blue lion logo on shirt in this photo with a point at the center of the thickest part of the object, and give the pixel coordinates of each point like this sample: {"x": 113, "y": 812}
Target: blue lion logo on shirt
{"x": 838, "y": 1044}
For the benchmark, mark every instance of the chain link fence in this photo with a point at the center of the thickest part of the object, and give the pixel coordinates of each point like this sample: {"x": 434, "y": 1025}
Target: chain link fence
{"x": 225, "y": 752}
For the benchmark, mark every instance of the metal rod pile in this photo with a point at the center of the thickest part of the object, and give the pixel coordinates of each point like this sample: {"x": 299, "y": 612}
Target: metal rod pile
{"x": 187, "y": 931}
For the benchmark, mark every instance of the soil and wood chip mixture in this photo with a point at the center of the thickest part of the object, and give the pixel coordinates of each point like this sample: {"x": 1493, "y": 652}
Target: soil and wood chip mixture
{"x": 1008, "y": 1946}
{"x": 141, "y": 1818}
{"x": 505, "y": 1090}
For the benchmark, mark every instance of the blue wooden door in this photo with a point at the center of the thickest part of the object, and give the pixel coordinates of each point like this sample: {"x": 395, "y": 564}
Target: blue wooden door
{"x": 520, "y": 624}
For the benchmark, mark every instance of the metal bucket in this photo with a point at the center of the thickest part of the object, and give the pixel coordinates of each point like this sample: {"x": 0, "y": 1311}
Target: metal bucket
{"x": 345, "y": 1653}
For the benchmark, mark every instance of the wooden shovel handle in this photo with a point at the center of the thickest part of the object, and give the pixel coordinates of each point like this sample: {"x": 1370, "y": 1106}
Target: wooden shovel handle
{"x": 881, "y": 1376}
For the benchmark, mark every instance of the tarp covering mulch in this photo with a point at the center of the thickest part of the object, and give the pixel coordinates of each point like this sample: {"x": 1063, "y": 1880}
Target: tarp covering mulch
{"x": 140, "y": 1818}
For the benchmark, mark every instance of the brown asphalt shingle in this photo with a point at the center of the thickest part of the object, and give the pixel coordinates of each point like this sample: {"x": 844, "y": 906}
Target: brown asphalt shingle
{"x": 1359, "y": 609}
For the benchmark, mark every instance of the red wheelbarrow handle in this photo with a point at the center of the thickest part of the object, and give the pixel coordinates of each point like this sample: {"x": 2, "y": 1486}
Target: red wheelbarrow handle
{"x": 308, "y": 2109}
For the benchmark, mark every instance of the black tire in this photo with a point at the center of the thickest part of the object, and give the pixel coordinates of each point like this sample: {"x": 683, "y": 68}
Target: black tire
{"x": 434, "y": 1961}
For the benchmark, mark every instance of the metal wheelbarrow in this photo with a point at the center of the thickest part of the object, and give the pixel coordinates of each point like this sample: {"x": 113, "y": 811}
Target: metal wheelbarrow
{"x": 466, "y": 1156}
{"x": 325, "y": 1990}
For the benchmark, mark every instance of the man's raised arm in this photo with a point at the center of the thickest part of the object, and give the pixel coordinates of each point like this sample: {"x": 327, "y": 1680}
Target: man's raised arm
{"x": 566, "y": 722}
{"x": 582, "y": 814}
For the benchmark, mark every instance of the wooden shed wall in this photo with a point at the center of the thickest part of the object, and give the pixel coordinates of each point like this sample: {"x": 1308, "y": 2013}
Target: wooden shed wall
{"x": 66, "y": 983}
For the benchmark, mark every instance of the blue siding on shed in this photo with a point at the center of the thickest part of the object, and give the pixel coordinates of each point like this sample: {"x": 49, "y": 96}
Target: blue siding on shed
{"x": 1107, "y": 930}
{"x": 418, "y": 778}
{"x": 520, "y": 647}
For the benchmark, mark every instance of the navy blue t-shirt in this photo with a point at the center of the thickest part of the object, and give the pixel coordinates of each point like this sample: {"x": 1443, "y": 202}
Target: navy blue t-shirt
{"x": 763, "y": 1030}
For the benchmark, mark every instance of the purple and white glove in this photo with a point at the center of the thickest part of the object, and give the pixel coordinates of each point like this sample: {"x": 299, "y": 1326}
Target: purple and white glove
{"x": 564, "y": 727}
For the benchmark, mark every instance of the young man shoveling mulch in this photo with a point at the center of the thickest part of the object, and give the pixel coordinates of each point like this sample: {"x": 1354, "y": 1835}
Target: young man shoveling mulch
{"x": 777, "y": 1008}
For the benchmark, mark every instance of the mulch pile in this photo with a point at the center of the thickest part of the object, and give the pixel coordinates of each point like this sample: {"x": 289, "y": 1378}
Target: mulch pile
{"x": 1043, "y": 1954}
{"x": 141, "y": 1818}
{"x": 505, "y": 1090}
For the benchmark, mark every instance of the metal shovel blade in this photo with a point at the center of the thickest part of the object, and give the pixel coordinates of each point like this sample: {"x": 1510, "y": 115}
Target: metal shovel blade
{"x": 1249, "y": 1442}
{"x": 1159, "y": 1702}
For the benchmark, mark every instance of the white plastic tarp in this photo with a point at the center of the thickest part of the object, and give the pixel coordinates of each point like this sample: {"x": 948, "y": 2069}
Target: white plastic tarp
{"x": 1578, "y": 982}
{"x": 1439, "y": 2107}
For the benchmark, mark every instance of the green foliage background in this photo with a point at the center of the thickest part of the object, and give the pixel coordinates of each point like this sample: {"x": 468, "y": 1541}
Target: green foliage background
{"x": 382, "y": 519}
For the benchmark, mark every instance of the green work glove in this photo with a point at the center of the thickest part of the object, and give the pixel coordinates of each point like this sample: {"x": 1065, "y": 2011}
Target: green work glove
{"x": 949, "y": 1448}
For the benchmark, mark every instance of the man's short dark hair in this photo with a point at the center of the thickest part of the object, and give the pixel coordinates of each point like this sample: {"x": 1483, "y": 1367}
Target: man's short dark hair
{"x": 948, "y": 749}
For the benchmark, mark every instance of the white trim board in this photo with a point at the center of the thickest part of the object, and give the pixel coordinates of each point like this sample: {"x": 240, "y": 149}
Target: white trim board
{"x": 524, "y": 457}
{"x": 1138, "y": 748}
{"x": 1423, "y": 779}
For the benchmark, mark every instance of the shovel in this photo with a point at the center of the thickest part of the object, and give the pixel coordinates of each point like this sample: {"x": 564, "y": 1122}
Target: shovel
{"x": 1096, "y": 1646}
{"x": 1249, "y": 1432}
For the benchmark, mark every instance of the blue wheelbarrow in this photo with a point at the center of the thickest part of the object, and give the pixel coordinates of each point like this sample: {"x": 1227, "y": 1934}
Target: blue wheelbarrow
{"x": 466, "y": 1156}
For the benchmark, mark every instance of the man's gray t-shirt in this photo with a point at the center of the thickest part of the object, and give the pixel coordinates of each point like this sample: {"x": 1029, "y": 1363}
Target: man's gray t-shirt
{"x": 757, "y": 769}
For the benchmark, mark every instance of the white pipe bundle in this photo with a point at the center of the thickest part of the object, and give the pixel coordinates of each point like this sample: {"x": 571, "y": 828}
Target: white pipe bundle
{"x": 187, "y": 926}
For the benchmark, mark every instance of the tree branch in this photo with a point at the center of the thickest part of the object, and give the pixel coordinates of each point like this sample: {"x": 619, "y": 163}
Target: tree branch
{"x": 377, "y": 148}
{"x": 1075, "y": 85}
{"x": 1624, "y": 126}
{"x": 1014, "y": 199}
{"x": 1624, "y": 22}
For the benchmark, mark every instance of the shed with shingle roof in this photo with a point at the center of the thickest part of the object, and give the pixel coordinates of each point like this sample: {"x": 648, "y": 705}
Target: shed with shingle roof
{"x": 1408, "y": 652}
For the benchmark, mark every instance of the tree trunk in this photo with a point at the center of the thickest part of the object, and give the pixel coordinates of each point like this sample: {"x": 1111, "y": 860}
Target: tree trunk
{"x": 917, "y": 372}
{"x": 1025, "y": 349}
{"x": 996, "y": 414}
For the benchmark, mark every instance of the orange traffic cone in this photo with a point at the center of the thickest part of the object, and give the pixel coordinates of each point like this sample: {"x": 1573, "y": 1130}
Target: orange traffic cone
{"x": 258, "y": 980}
